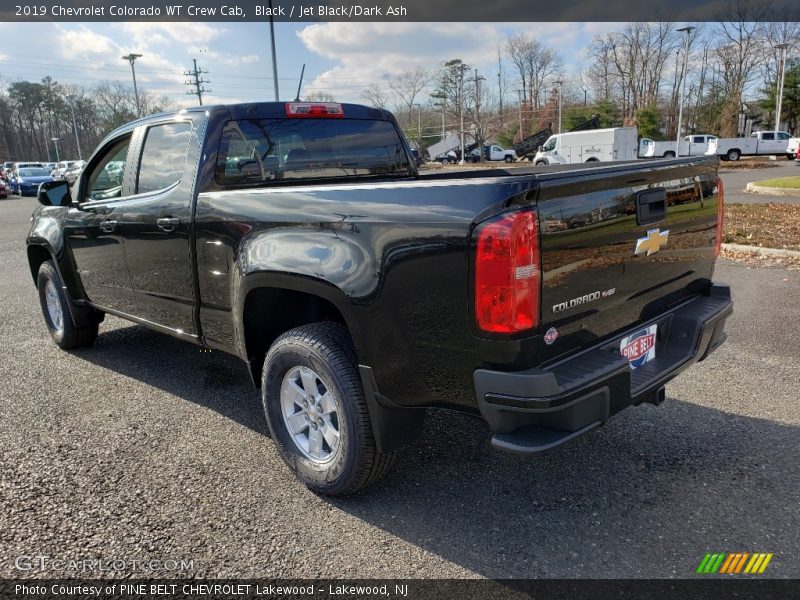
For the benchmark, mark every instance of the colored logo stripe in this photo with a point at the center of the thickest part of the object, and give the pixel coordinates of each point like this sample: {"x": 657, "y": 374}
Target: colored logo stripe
{"x": 734, "y": 563}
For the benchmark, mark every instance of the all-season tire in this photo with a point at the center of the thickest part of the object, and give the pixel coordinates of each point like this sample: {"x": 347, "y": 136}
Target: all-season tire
{"x": 669, "y": 154}
{"x": 733, "y": 154}
{"x": 55, "y": 309}
{"x": 540, "y": 163}
{"x": 322, "y": 353}
{"x": 509, "y": 158}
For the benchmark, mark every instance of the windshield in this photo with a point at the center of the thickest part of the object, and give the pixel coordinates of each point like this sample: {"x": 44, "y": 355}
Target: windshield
{"x": 33, "y": 172}
{"x": 256, "y": 151}
{"x": 550, "y": 145}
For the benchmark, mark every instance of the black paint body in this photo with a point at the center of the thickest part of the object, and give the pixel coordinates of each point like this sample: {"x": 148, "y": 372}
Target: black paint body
{"x": 394, "y": 257}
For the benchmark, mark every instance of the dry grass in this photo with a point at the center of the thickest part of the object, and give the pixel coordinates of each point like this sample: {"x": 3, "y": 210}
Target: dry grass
{"x": 753, "y": 260}
{"x": 767, "y": 225}
{"x": 747, "y": 163}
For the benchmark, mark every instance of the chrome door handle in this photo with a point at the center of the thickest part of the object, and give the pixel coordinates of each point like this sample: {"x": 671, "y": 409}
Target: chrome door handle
{"x": 168, "y": 223}
{"x": 108, "y": 226}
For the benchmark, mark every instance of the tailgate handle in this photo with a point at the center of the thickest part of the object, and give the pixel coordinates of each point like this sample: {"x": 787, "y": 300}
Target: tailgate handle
{"x": 651, "y": 206}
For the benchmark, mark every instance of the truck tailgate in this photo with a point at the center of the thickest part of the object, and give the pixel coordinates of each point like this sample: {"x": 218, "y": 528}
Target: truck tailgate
{"x": 622, "y": 246}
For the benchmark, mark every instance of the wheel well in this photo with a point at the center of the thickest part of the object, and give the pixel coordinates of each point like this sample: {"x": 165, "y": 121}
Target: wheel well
{"x": 270, "y": 312}
{"x": 36, "y": 256}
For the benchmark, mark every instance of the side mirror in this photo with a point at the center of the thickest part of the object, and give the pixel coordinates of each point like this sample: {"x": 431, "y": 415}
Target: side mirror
{"x": 54, "y": 193}
{"x": 541, "y": 148}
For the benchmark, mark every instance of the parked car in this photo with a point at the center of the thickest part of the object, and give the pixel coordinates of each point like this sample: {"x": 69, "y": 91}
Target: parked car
{"x": 25, "y": 181}
{"x": 359, "y": 291}
{"x": 4, "y": 188}
{"x": 61, "y": 168}
{"x": 759, "y": 143}
{"x": 23, "y": 165}
{"x": 71, "y": 174}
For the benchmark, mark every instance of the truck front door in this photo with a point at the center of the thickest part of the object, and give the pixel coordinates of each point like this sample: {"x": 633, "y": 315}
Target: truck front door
{"x": 94, "y": 227}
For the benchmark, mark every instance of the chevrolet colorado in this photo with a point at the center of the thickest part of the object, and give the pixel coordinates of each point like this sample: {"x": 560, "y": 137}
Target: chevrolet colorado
{"x": 301, "y": 238}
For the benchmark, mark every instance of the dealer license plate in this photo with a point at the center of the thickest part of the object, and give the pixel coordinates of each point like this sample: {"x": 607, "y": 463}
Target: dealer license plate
{"x": 640, "y": 347}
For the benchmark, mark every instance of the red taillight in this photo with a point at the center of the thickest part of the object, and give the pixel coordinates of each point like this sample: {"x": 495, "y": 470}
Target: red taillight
{"x": 720, "y": 216}
{"x": 313, "y": 110}
{"x": 508, "y": 274}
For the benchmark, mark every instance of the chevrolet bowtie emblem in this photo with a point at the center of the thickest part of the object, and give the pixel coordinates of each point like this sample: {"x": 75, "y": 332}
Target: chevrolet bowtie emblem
{"x": 655, "y": 240}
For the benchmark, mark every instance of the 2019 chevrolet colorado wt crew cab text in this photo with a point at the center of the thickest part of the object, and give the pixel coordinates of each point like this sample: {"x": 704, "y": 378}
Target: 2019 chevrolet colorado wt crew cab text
{"x": 301, "y": 238}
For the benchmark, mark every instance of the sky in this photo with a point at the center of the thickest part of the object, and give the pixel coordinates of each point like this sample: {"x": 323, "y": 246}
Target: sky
{"x": 340, "y": 58}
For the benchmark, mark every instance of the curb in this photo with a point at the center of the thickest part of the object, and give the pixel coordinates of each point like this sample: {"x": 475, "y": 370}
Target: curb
{"x": 760, "y": 250}
{"x": 753, "y": 188}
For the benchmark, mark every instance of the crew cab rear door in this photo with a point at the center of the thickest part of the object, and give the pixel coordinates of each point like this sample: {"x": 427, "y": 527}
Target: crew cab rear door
{"x": 158, "y": 223}
{"x": 621, "y": 244}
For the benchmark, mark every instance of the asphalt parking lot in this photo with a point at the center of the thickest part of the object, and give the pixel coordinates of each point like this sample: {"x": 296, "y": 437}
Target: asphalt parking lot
{"x": 144, "y": 448}
{"x": 735, "y": 181}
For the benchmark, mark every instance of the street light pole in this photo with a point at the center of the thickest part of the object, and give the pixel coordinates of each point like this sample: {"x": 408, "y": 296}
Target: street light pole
{"x": 131, "y": 58}
{"x": 419, "y": 126}
{"x": 688, "y": 30}
{"x": 559, "y": 83}
{"x": 71, "y": 100}
{"x": 783, "y": 48}
{"x": 55, "y": 143}
{"x": 274, "y": 57}
{"x": 519, "y": 105}
{"x": 461, "y": 109}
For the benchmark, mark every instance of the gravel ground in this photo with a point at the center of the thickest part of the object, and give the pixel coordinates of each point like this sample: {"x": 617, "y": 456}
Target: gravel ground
{"x": 143, "y": 448}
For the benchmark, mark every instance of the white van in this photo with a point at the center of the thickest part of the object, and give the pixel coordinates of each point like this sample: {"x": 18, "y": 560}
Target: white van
{"x": 593, "y": 145}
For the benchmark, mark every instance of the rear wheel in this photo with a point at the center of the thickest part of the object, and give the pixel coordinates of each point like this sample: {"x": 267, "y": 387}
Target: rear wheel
{"x": 733, "y": 154}
{"x": 55, "y": 309}
{"x": 317, "y": 412}
{"x": 669, "y": 154}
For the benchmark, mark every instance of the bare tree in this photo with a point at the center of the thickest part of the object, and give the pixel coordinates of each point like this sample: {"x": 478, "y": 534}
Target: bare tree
{"x": 738, "y": 52}
{"x": 375, "y": 95}
{"x": 408, "y": 85}
{"x": 519, "y": 47}
{"x": 319, "y": 96}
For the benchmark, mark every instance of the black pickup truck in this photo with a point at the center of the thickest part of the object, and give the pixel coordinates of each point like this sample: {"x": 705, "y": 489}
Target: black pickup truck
{"x": 301, "y": 238}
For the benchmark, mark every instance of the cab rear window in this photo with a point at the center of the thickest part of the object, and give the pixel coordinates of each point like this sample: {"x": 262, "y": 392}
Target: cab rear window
{"x": 258, "y": 151}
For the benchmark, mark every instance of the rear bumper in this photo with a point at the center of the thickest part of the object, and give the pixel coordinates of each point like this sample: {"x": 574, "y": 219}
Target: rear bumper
{"x": 535, "y": 410}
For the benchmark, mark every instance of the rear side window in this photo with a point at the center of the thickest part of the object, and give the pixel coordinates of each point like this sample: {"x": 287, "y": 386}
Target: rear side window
{"x": 163, "y": 157}
{"x": 767, "y": 136}
{"x": 254, "y": 151}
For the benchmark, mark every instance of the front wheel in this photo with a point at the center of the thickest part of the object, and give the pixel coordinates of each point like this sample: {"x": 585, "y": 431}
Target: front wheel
{"x": 55, "y": 309}
{"x": 669, "y": 154}
{"x": 509, "y": 158}
{"x": 317, "y": 412}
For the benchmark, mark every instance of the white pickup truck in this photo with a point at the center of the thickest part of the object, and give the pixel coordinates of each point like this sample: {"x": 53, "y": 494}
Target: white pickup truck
{"x": 493, "y": 152}
{"x": 691, "y": 145}
{"x": 759, "y": 142}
